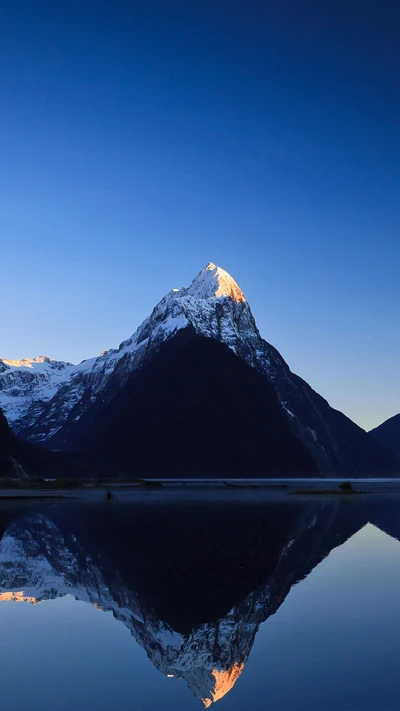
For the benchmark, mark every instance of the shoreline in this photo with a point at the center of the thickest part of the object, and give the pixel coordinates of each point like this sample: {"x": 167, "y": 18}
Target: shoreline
{"x": 99, "y": 490}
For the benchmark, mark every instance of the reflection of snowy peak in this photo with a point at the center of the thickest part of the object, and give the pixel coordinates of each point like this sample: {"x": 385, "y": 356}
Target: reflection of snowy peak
{"x": 38, "y": 562}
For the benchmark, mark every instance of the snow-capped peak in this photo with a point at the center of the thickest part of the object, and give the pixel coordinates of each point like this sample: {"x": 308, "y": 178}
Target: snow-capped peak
{"x": 213, "y": 282}
{"x": 38, "y": 395}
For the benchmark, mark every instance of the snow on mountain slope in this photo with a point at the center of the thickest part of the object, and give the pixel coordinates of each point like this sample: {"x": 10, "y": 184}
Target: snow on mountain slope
{"x": 213, "y": 281}
{"x": 29, "y": 381}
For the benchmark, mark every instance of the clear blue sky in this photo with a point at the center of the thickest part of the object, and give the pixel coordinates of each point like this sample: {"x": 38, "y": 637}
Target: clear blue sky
{"x": 140, "y": 140}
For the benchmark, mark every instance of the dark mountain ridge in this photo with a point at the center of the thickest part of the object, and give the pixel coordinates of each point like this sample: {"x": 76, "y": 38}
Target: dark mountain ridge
{"x": 388, "y": 434}
{"x": 23, "y": 460}
{"x": 18, "y": 459}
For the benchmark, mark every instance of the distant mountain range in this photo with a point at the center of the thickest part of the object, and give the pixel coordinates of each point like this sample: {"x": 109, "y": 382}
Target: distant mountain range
{"x": 388, "y": 434}
{"x": 195, "y": 391}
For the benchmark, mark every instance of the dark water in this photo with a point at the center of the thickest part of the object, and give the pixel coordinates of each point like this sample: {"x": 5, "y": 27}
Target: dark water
{"x": 179, "y": 602}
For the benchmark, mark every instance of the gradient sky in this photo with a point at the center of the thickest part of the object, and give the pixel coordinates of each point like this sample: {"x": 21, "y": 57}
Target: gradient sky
{"x": 140, "y": 140}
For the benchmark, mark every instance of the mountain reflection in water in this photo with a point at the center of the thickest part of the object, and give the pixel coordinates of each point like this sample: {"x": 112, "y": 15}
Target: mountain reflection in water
{"x": 192, "y": 580}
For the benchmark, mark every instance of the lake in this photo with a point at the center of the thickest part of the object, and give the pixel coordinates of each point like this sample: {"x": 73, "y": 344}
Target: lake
{"x": 171, "y": 600}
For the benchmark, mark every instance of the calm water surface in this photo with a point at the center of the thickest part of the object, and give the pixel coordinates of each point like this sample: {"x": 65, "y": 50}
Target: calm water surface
{"x": 166, "y": 601}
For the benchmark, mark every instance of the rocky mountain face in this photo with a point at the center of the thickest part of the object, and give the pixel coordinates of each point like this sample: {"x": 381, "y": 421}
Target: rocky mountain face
{"x": 25, "y": 385}
{"x": 194, "y": 410}
{"x": 215, "y": 308}
{"x": 260, "y": 554}
{"x": 388, "y": 434}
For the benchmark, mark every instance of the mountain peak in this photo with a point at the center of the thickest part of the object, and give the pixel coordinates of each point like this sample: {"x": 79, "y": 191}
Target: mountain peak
{"x": 213, "y": 281}
{"x": 37, "y": 363}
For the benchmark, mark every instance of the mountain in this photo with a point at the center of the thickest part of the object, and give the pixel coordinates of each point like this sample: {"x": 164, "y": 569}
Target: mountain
{"x": 195, "y": 409}
{"x": 388, "y": 434}
{"x": 58, "y": 409}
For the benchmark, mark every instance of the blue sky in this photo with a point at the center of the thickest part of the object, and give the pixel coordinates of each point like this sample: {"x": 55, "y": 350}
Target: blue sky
{"x": 139, "y": 141}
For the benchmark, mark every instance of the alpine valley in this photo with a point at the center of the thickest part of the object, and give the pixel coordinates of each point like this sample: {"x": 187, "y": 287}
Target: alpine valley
{"x": 195, "y": 392}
